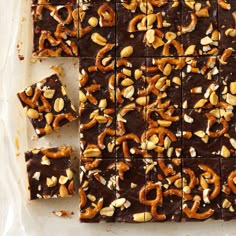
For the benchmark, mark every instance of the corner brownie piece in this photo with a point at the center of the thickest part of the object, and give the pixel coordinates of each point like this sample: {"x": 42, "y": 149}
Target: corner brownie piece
{"x": 201, "y": 189}
{"x": 47, "y": 105}
{"x": 228, "y": 189}
{"x": 97, "y": 190}
{"x": 49, "y": 172}
{"x": 55, "y": 30}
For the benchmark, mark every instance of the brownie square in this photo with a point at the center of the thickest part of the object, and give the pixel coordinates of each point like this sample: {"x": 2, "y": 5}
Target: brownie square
{"x": 55, "y": 30}
{"x": 97, "y": 190}
{"x": 201, "y": 189}
{"x": 97, "y": 29}
{"x": 164, "y": 81}
{"x": 202, "y": 131}
{"x": 164, "y": 184}
{"x": 200, "y": 28}
{"x": 201, "y": 82}
{"x": 49, "y": 172}
{"x": 163, "y": 36}
{"x": 97, "y": 83}
{"x": 47, "y": 105}
{"x": 130, "y": 31}
{"x": 130, "y": 207}
{"x": 97, "y": 133}
{"x": 130, "y": 132}
{"x": 228, "y": 189}
{"x": 163, "y": 135}
{"x": 130, "y": 81}
{"x": 226, "y": 19}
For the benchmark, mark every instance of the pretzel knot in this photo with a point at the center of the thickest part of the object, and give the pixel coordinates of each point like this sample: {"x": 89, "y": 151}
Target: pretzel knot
{"x": 158, "y": 200}
{"x": 231, "y": 181}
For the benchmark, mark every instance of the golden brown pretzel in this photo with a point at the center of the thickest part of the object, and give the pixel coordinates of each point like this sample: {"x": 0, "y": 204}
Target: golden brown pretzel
{"x": 107, "y": 16}
{"x": 231, "y": 181}
{"x": 62, "y": 152}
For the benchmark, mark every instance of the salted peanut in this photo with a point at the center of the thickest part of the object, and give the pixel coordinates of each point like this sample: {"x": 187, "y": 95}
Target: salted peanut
{"x": 202, "y": 12}
{"x": 225, "y": 152}
{"x": 92, "y": 152}
{"x": 185, "y": 104}
{"x": 233, "y": 87}
{"x": 102, "y": 104}
{"x": 45, "y": 161}
{"x": 127, "y": 82}
{"x": 230, "y": 32}
{"x": 127, "y": 51}
{"x": 190, "y": 4}
{"x": 151, "y": 18}
{"x": 32, "y": 113}
{"x": 167, "y": 70}
{"x": 200, "y": 133}
{"x": 233, "y": 142}
{"x": 205, "y": 196}
{"x": 138, "y": 74}
{"x": 150, "y": 36}
{"x": 215, "y": 35}
{"x": 164, "y": 123}
{"x": 178, "y": 183}
{"x": 142, "y": 6}
{"x": 29, "y": 91}
{"x": 231, "y": 99}
{"x": 226, "y": 203}
{"x": 107, "y": 211}
{"x": 200, "y": 103}
{"x": 187, "y": 189}
{"x": 63, "y": 191}
{"x": 192, "y": 152}
{"x": 118, "y": 202}
{"x": 190, "y": 50}
{"x": 224, "y": 4}
{"x": 205, "y": 138}
{"x": 143, "y": 101}
{"x": 231, "y": 209}
{"x": 128, "y": 92}
{"x": 93, "y": 21}
{"x": 170, "y": 35}
{"x": 58, "y": 104}
{"x": 36, "y": 175}
{"x": 63, "y": 179}
{"x": 206, "y": 40}
{"x": 167, "y": 142}
{"x": 110, "y": 147}
{"x": 98, "y": 39}
{"x": 69, "y": 173}
{"x": 196, "y": 90}
{"x": 51, "y": 182}
{"x": 49, "y": 93}
{"x": 101, "y": 119}
{"x": 94, "y": 114}
{"x": 176, "y": 80}
{"x": 188, "y": 119}
{"x": 198, "y": 6}
{"x": 49, "y": 118}
{"x": 214, "y": 98}
{"x": 127, "y": 72}
{"x": 91, "y": 197}
{"x": 142, "y": 217}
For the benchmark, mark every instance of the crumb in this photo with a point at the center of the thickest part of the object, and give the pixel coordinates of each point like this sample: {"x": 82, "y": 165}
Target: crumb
{"x": 21, "y": 57}
{"x": 61, "y": 213}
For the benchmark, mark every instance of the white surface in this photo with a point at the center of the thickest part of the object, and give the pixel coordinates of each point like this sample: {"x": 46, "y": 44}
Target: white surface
{"x": 19, "y": 216}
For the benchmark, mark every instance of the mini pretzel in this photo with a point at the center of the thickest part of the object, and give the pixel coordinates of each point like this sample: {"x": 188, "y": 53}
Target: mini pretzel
{"x": 159, "y": 20}
{"x": 173, "y": 178}
{"x": 130, "y": 136}
{"x": 122, "y": 62}
{"x": 125, "y": 149}
{"x": 211, "y": 121}
{"x": 192, "y": 213}
{"x": 133, "y": 23}
{"x": 143, "y": 153}
{"x": 49, "y": 52}
{"x": 62, "y": 152}
{"x": 120, "y": 128}
{"x": 165, "y": 169}
{"x": 46, "y": 35}
{"x": 172, "y": 191}
{"x": 93, "y": 88}
{"x": 215, "y": 179}
{"x": 30, "y": 101}
{"x": 131, "y": 6}
{"x": 71, "y": 188}
{"x": 176, "y": 44}
{"x": 122, "y": 167}
{"x": 92, "y": 99}
{"x": 101, "y": 137}
{"x": 230, "y": 181}
{"x": 154, "y": 202}
{"x": 84, "y": 31}
{"x": 192, "y": 177}
{"x": 83, "y": 198}
{"x": 127, "y": 108}
{"x": 158, "y": 3}
{"x": 90, "y": 212}
{"x": 88, "y": 125}
{"x": 100, "y": 55}
{"x": 60, "y": 117}
{"x": 226, "y": 54}
{"x": 107, "y": 16}
{"x": 46, "y": 105}
{"x": 224, "y": 4}
{"x": 192, "y": 25}
{"x": 94, "y": 164}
